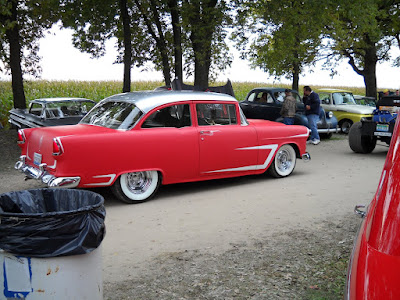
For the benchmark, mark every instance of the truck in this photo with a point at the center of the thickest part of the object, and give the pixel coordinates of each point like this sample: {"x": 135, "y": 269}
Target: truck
{"x": 364, "y": 135}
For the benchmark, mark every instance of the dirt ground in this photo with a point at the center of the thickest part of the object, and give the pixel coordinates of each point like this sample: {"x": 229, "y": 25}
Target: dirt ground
{"x": 252, "y": 237}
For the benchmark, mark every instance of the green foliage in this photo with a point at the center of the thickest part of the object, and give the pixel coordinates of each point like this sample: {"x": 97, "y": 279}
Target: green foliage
{"x": 287, "y": 35}
{"x": 32, "y": 19}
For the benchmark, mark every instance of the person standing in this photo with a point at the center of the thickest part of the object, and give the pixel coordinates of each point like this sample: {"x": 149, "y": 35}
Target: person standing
{"x": 312, "y": 107}
{"x": 288, "y": 109}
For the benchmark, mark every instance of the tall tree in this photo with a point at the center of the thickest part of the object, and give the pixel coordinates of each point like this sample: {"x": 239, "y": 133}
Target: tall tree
{"x": 284, "y": 36}
{"x": 95, "y": 22}
{"x": 22, "y": 25}
{"x": 204, "y": 22}
{"x": 362, "y": 31}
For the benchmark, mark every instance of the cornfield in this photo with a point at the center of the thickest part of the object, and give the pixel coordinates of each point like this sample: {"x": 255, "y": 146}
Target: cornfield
{"x": 98, "y": 90}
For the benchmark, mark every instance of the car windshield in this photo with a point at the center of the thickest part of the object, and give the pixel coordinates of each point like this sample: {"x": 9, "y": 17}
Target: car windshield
{"x": 114, "y": 115}
{"x": 343, "y": 98}
{"x": 62, "y": 109}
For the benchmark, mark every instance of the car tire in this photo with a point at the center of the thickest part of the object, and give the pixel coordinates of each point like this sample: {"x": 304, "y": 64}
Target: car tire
{"x": 136, "y": 187}
{"x": 359, "y": 143}
{"x": 345, "y": 126}
{"x": 283, "y": 163}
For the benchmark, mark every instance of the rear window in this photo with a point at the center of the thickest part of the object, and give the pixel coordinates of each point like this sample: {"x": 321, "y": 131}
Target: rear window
{"x": 114, "y": 115}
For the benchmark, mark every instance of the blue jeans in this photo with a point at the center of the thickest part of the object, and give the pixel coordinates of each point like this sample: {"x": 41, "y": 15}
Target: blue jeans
{"x": 288, "y": 121}
{"x": 312, "y": 124}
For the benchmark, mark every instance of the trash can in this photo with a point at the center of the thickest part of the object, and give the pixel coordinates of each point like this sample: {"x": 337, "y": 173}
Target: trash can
{"x": 50, "y": 244}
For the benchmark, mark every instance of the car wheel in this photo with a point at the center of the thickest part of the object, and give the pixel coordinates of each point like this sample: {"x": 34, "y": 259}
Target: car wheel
{"x": 359, "y": 143}
{"x": 345, "y": 126}
{"x": 136, "y": 187}
{"x": 283, "y": 163}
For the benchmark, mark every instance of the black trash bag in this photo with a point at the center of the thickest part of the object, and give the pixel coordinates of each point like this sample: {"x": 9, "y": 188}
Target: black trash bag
{"x": 51, "y": 222}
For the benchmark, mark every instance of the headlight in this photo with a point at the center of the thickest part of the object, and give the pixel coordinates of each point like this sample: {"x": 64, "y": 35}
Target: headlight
{"x": 329, "y": 114}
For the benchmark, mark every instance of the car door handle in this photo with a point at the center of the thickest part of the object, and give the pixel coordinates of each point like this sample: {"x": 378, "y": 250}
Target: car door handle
{"x": 206, "y": 132}
{"x": 359, "y": 211}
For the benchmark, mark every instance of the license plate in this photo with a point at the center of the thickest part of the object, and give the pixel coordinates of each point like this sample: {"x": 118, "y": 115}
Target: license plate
{"x": 379, "y": 133}
{"x": 37, "y": 158}
{"x": 382, "y": 127}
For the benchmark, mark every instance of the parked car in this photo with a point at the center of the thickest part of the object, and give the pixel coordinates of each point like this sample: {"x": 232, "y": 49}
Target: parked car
{"x": 50, "y": 112}
{"x": 136, "y": 141}
{"x": 364, "y": 135}
{"x": 374, "y": 264}
{"x": 364, "y": 100}
{"x": 344, "y": 107}
{"x": 253, "y": 108}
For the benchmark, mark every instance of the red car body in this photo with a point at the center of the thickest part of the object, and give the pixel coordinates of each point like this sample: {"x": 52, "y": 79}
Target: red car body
{"x": 122, "y": 142}
{"x": 374, "y": 267}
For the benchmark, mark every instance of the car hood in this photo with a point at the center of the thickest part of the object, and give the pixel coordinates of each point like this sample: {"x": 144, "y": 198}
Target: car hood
{"x": 356, "y": 109}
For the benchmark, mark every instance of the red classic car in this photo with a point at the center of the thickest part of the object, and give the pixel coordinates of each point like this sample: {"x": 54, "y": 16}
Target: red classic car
{"x": 136, "y": 141}
{"x": 375, "y": 261}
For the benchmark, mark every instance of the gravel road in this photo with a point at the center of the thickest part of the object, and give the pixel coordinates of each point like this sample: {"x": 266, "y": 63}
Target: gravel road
{"x": 252, "y": 237}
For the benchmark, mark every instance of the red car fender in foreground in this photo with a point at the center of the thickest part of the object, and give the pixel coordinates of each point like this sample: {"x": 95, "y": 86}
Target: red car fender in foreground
{"x": 374, "y": 267}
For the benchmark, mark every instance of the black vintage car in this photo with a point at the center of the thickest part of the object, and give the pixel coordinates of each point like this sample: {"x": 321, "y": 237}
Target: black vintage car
{"x": 255, "y": 108}
{"x": 51, "y": 112}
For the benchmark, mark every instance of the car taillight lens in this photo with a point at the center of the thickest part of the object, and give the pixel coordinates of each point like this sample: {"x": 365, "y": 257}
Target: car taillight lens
{"x": 21, "y": 137}
{"x": 57, "y": 147}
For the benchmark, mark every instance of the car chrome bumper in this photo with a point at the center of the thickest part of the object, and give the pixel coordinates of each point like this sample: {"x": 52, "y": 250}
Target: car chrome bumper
{"x": 328, "y": 130}
{"x": 306, "y": 157}
{"x": 42, "y": 175}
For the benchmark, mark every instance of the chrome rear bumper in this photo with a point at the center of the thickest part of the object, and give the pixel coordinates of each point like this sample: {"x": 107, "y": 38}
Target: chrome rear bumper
{"x": 42, "y": 175}
{"x": 306, "y": 157}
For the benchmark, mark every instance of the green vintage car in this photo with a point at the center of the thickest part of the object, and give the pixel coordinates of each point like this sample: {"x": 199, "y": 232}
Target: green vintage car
{"x": 344, "y": 107}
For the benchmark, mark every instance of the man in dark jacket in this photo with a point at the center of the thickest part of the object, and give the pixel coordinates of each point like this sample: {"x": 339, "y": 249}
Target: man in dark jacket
{"x": 312, "y": 107}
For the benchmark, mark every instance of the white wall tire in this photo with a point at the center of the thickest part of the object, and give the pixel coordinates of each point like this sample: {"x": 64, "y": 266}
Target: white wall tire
{"x": 137, "y": 187}
{"x": 284, "y": 162}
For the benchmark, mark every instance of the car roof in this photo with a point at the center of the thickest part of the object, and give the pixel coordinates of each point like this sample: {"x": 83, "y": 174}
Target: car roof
{"x": 60, "y": 99}
{"x": 147, "y": 100}
{"x": 271, "y": 89}
{"x": 333, "y": 90}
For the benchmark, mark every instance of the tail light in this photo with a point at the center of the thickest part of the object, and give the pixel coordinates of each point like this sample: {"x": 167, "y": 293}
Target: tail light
{"x": 57, "y": 147}
{"x": 21, "y": 137}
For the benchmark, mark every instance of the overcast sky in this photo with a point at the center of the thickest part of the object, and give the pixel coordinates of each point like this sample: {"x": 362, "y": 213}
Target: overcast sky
{"x": 61, "y": 61}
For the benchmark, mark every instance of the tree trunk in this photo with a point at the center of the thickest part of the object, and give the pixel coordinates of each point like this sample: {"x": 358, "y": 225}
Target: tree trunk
{"x": 177, "y": 32}
{"x": 160, "y": 40}
{"x": 296, "y": 76}
{"x": 203, "y": 26}
{"x": 369, "y": 72}
{"x": 13, "y": 38}
{"x": 127, "y": 46}
{"x": 202, "y": 61}
{"x": 370, "y": 60}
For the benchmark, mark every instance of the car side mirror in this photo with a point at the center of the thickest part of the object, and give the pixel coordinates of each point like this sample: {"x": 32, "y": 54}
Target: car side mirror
{"x": 360, "y": 211}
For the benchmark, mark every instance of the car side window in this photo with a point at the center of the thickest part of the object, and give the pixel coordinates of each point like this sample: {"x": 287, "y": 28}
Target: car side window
{"x": 279, "y": 96}
{"x": 36, "y": 109}
{"x": 216, "y": 114}
{"x": 337, "y": 99}
{"x": 172, "y": 116}
{"x": 297, "y": 97}
{"x": 252, "y": 97}
{"x": 324, "y": 98}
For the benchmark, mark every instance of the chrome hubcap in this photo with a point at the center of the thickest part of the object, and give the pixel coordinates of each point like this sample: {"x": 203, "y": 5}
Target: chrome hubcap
{"x": 138, "y": 182}
{"x": 284, "y": 160}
